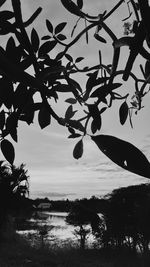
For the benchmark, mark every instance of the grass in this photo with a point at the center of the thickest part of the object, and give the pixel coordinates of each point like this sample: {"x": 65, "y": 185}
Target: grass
{"x": 17, "y": 252}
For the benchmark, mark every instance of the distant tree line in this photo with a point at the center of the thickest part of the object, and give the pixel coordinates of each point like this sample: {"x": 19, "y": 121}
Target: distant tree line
{"x": 124, "y": 223}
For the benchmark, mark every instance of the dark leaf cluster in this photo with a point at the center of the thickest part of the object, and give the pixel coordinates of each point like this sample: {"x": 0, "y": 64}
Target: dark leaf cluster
{"x": 54, "y": 73}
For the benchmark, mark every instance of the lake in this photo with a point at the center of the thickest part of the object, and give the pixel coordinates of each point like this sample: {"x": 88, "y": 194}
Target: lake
{"x": 55, "y": 225}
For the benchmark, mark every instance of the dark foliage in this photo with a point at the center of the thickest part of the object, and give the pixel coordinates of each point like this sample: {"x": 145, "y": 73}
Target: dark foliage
{"x": 53, "y": 76}
{"x": 13, "y": 192}
{"x": 127, "y": 219}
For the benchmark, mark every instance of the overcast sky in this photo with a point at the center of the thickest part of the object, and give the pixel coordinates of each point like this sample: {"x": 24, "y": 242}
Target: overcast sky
{"x": 48, "y": 153}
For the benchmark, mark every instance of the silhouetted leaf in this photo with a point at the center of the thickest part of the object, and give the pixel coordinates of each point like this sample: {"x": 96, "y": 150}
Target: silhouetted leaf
{"x": 72, "y": 8}
{"x": 61, "y": 37}
{"x": 8, "y": 150}
{"x": 104, "y": 90}
{"x": 90, "y": 84}
{"x": 69, "y": 57}
{"x": 100, "y": 38}
{"x": 76, "y": 124}
{"x": 6, "y": 27}
{"x": 44, "y": 117}
{"x": 2, "y": 119}
{"x": 49, "y": 26}
{"x": 123, "y": 154}
{"x": 75, "y": 135}
{"x": 46, "y": 37}
{"x": 78, "y": 150}
{"x": 6, "y": 15}
{"x": 71, "y": 101}
{"x": 95, "y": 114}
{"x": 79, "y": 59}
{"x": 96, "y": 124}
{"x": 69, "y": 113}
{"x": 10, "y": 46}
{"x": 59, "y": 56}
{"x": 71, "y": 130}
{"x": 14, "y": 134}
{"x": 46, "y": 47}
{"x": 60, "y": 27}
{"x": 123, "y": 112}
{"x": 35, "y": 40}
{"x": 11, "y": 125}
{"x": 75, "y": 84}
{"x": 13, "y": 52}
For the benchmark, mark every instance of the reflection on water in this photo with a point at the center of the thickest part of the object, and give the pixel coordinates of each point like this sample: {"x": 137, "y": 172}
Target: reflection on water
{"x": 55, "y": 223}
{"x": 56, "y": 229}
{"x": 61, "y": 229}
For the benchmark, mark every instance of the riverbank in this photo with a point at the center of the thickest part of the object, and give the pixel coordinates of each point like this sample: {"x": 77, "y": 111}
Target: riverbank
{"x": 18, "y": 253}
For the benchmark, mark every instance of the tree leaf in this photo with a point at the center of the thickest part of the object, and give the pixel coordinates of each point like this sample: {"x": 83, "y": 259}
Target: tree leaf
{"x": 96, "y": 124}
{"x": 90, "y": 84}
{"x": 100, "y": 38}
{"x": 61, "y": 37}
{"x": 46, "y": 48}
{"x": 71, "y": 101}
{"x": 60, "y": 27}
{"x": 69, "y": 57}
{"x": 11, "y": 125}
{"x": 8, "y": 150}
{"x": 76, "y": 124}
{"x": 6, "y": 15}
{"x": 69, "y": 113}
{"x": 123, "y": 112}
{"x": 95, "y": 114}
{"x": 11, "y": 48}
{"x": 104, "y": 90}
{"x": 78, "y": 150}
{"x": 71, "y": 130}
{"x": 72, "y": 8}
{"x": 123, "y": 154}
{"x": 75, "y": 84}
{"x": 14, "y": 134}
{"x": 75, "y": 135}
{"x": 78, "y": 59}
{"x": 46, "y": 37}
{"x": 44, "y": 117}
{"x": 49, "y": 26}
{"x": 35, "y": 40}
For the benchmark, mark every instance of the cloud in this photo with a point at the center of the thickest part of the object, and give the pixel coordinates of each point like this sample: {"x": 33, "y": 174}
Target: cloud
{"x": 50, "y": 195}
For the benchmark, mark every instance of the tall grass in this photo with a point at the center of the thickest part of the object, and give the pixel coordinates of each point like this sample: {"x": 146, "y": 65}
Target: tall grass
{"x": 17, "y": 252}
